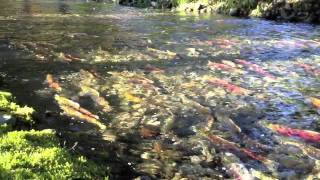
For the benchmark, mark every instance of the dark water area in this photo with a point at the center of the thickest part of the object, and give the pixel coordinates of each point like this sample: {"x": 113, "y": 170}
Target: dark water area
{"x": 163, "y": 95}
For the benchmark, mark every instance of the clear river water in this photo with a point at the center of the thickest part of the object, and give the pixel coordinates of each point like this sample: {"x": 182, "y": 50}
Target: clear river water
{"x": 167, "y": 95}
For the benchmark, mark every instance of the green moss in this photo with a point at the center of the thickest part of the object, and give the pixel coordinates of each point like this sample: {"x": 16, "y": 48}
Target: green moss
{"x": 256, "y": 12}
{"x": 7, "y": 105}
{"x": 4, "y": 128}
{"x": 37, "y": 155}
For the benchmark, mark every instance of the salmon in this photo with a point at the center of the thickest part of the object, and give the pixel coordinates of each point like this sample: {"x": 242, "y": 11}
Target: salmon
{"x": 315, "y": 102}
{"x": 220, "y": 66}
{"x": 153, "y": 69}
{"x": 73, "y": 109}
{"x": 230, "y": 146}
{"x": 68, "y": 57}
{"x": 167, "y": 52}
{"x": 310, "y": 69}
{"x": 255, "y": 68}
{"x": 306, "y": 135}
{"x": 228, "y": 86}
{"x": 52, "y": 84}
{"x": 224, "y": 43}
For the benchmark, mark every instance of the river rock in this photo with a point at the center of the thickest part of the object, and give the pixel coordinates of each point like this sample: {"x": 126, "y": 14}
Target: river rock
{"x": 7, "y": 118}
{"x": 298, "y": 164}
{"x": 289, "y": 175}
{"x": 234, "y": 12}
{"x": 154, "y": 4}
{"x": 195, "y": 159}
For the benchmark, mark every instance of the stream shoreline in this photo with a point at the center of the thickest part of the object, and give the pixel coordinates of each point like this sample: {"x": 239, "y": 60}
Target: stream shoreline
{"x": 282, "y": 10}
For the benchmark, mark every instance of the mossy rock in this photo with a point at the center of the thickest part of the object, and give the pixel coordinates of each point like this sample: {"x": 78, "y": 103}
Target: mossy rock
{"x": 8, "y": 105}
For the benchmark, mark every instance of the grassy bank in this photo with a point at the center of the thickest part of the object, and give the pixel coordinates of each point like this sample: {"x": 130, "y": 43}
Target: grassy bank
{"x": 32, "y": 154}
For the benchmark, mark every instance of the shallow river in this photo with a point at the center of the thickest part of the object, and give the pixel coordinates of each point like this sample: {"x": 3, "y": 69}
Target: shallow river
{"x": 156, "y": 94}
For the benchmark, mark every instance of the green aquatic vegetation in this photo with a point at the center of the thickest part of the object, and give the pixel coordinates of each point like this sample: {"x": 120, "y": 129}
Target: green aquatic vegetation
{"x": 7, "y": 105}
{"x": 37, "y": 155}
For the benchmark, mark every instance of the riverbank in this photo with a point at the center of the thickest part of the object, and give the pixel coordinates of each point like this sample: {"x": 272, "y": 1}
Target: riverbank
{"x": 287, "y": 10}
{"x": 32, "y": 154}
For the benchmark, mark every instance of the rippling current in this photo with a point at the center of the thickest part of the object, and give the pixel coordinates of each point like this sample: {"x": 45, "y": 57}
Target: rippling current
{"x": 165, "y": 95}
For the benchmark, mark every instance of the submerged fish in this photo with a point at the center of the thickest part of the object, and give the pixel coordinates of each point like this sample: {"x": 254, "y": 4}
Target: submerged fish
{"x": 80, "y": 115}
{"x": 68, "y": 57}
{"x": 310, "y": 69}
{"x": 224, "y": 43}
{"x": 220, "y": 66}
{"x": 71, "y": 108}
{"x": 88, "y": 113}
{"x": 73, "y": 58}
{"x": 200, "y": 108}
{"x": 221, "y": 143}
{"x": 223, "y": 118}
{"x": 291, "y": 44}
{"x": 197, "y": 42}
{"x": 306, "y": 135}
{"x": 66, "y": 102}
{"x": 228, "y": 86}
{"x": 52, "y": 84}
{"x": 254, "y": 143}
{"x": 255, "y": 68}
{"x": 315, "y": 102}
{"x": 167, "y": 52}
{"x": 153, "y": 69}
{"x": 144, "y": 82}
{"x": 95, "y": 96}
